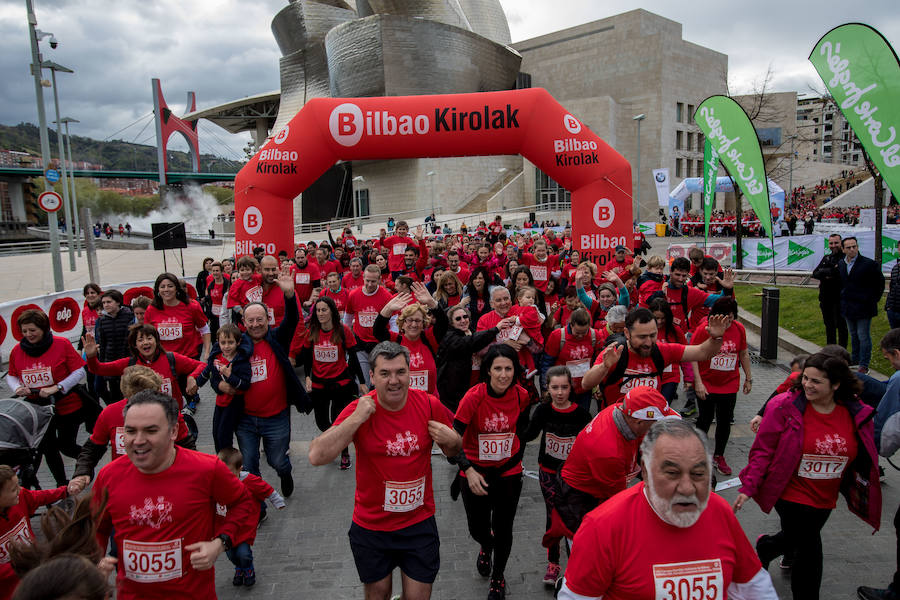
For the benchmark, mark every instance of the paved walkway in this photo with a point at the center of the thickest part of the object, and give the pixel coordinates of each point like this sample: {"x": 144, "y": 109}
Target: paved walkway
{"x": 303, "y": 552}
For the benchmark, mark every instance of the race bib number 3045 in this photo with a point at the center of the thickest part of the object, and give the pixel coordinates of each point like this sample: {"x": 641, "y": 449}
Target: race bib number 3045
{"x": 152, "y": 561}
{"x": 695, "y": 580}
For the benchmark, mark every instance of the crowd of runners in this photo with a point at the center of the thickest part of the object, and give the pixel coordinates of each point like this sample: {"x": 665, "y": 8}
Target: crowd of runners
{"x": 403, "y": 348}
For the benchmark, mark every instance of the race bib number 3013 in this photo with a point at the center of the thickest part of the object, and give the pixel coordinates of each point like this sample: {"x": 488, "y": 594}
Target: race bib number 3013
{"x": 695, "y": 580}
{"x": 152, "y": 561}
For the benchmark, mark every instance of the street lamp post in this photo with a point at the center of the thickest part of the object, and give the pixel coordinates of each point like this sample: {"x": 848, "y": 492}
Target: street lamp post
{"x": 356, "y": 218}
{"x": 45, "y": 139}
{"x": 54, "y": 67}
{"x": 431, "y": 175}
{"x": 637, "y": 203}
{"x": 791, "y": 173}
{"x": 76, "y": 221}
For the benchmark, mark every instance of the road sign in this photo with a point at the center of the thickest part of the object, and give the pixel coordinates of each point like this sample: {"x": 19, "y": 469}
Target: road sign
{"x": 50, "y": 201}
{"x": 52, "y": 175}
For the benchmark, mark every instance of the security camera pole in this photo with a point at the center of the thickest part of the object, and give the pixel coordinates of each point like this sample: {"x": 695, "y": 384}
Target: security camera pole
{"x": 45, "y": 145}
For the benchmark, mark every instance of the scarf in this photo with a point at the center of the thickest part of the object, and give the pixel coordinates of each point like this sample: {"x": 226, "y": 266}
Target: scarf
{"x": 35, "y": 350}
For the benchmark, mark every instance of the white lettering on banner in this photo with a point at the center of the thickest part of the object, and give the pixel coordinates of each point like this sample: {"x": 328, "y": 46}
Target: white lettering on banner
{"x": 152, "y": 561}
{"x": 169, "y": 331}
{"x": 37, "y": 377}
{"x": 573, "y": 145}
{"x": 242, "y": 247}
{"x": 258, "y": 370}
{"x": 821, "y": 466}
{"x": 404, "y": 496}
{"x": 717, "y": 135}
{"x": 119, "y": 441}
{"x": 19, "y": 533}
{"x": 282, "y": 135}
{"x": 723, "y": 362}
{"x": 604, "y": 213}
{"x": 578, "y": 367}
{"x": 367, "y": 319}
{"x": 64, "y": 315}
{"x": 840, "y": 69}
{"x": 301, "y": 278}
{"x": 598, "y": 241}
{"x": 166, "y": 387}
{"x": 558, "y": 447}
{"x": 495, "y": 446}
{"x": 572, "y": 124}
{"x": 325, "y": 353}
{"x": 253, "y": 220}
{"x": 694, "y": 580}
{"x": 418, "y": 380}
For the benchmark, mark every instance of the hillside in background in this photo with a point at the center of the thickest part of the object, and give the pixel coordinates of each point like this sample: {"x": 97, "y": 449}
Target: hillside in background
{"x": 114, "y": 155}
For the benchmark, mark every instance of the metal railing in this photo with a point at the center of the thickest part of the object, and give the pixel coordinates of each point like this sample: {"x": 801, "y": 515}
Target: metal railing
{"x": 16, "y": 248}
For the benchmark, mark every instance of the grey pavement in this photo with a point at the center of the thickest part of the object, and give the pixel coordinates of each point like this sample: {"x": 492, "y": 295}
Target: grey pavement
{"x": 303, "y": 551}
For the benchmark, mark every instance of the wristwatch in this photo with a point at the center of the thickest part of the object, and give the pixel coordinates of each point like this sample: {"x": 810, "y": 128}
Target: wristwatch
{"x": 226, "y": 541}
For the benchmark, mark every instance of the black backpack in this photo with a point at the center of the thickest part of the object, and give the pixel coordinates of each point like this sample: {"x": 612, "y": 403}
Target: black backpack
{"x": 133, "y": 361}
{"x": 618, "y": 377}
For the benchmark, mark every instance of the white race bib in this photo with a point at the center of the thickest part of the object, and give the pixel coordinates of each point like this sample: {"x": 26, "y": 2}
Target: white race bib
{"x": 695, "y": 580}
{"x": 258, "y": 370}
{"x": 558, "y": 447}
{"x": 301, "y": 278}
{"x": 579, "y": 367}
{"x": 327, "y": 353}
{"x": 723, "y": 362}
{"x": 539, "y": 272}
{"x": 271, "y": 313}
{"x": 511, "y": 333}
{"x": 367, "y": 319}
{"x": 218, "y": 309}
{"x": 119, "y": 442}
{"x": 169, "y": 331}
{"x": 37, "y": 378}
{"x": 19, "y": 533}
{"x": 166, "y": 387}
{"x": 398, "y": 249}
{"x": 418, "y": 380}
{"x": 254, "y": 294}
{"x": 495, "y": 446}
{"x": 152, "y": 561}
{"x": 639, "y": 381}
{"x": 404, "y": 496}
{"x": 821, "y": 466}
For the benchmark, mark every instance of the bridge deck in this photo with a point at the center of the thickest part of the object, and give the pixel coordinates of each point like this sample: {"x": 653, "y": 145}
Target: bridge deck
{"x": 172, "y": 177}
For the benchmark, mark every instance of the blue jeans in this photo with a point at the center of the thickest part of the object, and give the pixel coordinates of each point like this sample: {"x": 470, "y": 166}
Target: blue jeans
{"x": 860, "y": 341}
{"x": 241, "y": 556}
{"x": 893, "y": 318}
{"x": 275, "y": 432}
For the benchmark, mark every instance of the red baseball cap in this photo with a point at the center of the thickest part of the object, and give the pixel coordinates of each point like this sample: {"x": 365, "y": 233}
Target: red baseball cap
{"x": 646, "y": 403}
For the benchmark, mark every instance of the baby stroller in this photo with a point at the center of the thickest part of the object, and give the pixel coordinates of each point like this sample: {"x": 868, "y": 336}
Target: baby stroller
{"x": 22, "y": 427}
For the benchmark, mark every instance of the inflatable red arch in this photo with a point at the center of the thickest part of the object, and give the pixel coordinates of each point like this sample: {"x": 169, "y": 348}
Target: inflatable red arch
{"x": 527, "y": 122}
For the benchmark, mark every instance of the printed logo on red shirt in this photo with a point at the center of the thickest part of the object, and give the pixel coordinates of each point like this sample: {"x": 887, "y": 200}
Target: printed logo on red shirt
{"x": 404, "y": 444}
{"x": 64, "y": 313}
{"x": 496, "y": 422}
{"x": 153, "y": 514}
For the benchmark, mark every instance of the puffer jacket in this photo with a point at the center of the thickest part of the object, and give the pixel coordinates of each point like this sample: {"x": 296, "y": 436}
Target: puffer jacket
{"x": 111, "y": 334}
{"x": 778, "y": 448}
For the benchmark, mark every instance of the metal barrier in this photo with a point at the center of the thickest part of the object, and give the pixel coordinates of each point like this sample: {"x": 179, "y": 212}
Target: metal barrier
{"x": 16, "y": 248}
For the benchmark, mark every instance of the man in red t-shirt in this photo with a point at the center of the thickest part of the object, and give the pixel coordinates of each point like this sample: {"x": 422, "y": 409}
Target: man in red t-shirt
{"x": 161, "y": 502}
{"x": 683, "y": 299}
{"x": 363, "y": 306}
{"x": 353, "y": 279}
{"x": 392, "y": 428}
{"x": 306, "y": 275}
{"x": 541, "y": 265}
{"x": 396, "y": 247}
{"x": 667, "y": 536}
{"x": 645, "y": 360}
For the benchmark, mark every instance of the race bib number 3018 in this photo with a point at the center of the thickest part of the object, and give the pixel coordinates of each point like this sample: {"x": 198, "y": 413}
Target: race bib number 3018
{"x": 495, "y": 446}
{"x": 695, "y": 580}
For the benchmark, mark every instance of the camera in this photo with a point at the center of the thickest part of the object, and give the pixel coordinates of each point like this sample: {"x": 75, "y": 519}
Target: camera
{"x": 54, "y": 42}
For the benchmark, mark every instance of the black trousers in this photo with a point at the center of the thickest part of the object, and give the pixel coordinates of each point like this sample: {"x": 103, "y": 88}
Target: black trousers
{"x": 722, "y": 407}
{"x": 61, "y": 438}
{"x": 835, "y": 324}
{"x": 490, "y": 518}
{"x": 801, "y": 531}
{"x": 328, "y": 403}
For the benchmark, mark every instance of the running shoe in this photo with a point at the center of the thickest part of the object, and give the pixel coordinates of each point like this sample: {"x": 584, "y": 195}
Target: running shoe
{"x": 552, "y": 574}
{"x": 483, "y": 564}
{"x": 689, "y": 411}
{"x": 287, "y": 485}
{"x": 189, "y": 409}
{"x": 497, "y": 591}
{"x": 762, "y": 539}
{"x": 867, "y": 593}
{"x": 881, "y": 475}
{"x": 787, "y": 561}
{"x": 238, "y": 576}
{"x": 249, "y": 577}
{"x": 345, "y": 462}
{"x": 721, "y": 465}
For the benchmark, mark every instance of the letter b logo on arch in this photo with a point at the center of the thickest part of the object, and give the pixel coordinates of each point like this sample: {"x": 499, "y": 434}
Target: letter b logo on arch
{"x": 252, "y": 220}
{"x": 604, "y": 213}
{"x": 346, "y": 124}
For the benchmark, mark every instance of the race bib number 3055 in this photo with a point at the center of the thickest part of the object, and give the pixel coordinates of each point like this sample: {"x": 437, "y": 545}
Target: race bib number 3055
{"x": 152, "y": 561}
{"x": 404, "y": 496}
{"x": 695, "y": 580}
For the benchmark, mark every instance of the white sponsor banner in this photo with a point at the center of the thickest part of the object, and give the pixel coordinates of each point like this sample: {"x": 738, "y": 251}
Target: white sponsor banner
{"x": 867, "y": 218}
{"x": 661, "y": 178}
{"x": 721, "y": 251}
{"x": 797, "y": 253}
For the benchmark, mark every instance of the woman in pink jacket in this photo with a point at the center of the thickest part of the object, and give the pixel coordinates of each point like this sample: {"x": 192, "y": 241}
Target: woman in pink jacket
{"x": 815, "y": 442}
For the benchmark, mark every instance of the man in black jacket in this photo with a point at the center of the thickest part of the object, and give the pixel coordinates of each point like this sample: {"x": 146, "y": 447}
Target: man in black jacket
{"x": 111, "y": 334}
{"x": 863, "y": 286}
{"x": 830, "y": 292}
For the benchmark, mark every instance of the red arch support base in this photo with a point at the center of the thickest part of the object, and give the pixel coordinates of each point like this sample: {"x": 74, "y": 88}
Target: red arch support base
{"x": 527, "y": 122}
{"x": 168, "y": 123}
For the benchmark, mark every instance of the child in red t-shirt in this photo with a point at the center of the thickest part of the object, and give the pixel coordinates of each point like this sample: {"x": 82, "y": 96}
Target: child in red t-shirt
{"x": 246, "y": 287}
{"x": 240, "y": 555}
{"x": 530, "y": 319}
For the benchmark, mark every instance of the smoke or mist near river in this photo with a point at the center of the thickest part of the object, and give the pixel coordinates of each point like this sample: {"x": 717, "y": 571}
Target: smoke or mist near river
{"x": 196, "y": 208}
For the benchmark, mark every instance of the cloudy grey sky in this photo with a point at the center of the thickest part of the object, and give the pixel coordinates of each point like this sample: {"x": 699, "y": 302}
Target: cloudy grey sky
{"x": 224, "y": 50}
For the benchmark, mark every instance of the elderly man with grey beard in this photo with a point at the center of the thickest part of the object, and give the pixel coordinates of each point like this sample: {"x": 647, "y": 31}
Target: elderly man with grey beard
{"x": 668, "y": 536}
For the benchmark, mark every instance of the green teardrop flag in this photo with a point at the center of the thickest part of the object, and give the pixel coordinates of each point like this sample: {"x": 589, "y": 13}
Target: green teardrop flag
{"x": 731, "y": 134}
{"x": 710, "y": 172}
{"x": 862, "y": 73}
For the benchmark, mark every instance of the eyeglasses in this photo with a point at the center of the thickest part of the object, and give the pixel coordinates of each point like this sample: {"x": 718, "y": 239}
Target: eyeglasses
{"x": 414, "y": 321}
{"x": 461, "y": 318}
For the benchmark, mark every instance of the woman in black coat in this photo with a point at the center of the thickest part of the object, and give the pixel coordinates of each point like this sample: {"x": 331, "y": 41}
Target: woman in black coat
{"x": 455, "y": 353}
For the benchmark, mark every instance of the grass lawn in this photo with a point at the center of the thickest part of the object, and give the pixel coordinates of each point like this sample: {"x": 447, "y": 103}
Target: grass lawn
{"x": 799, "y": 313}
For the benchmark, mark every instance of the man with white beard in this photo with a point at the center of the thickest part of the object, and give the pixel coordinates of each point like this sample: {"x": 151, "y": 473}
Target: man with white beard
{"x": 669, "y": 537}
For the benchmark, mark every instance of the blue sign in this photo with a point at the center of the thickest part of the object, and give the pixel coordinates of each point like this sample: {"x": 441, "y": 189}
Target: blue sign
{"x": 52, "y": 175}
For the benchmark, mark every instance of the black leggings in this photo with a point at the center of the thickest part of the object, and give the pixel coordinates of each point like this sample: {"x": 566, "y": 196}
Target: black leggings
{"x": 722, "y": 406}
{"x": 550, "y": 490}
{"x": 330, "y": 401}
{"x": 801, "y": 531}
{"x": 61, "y": 437}
{"x": 494, "y": 513}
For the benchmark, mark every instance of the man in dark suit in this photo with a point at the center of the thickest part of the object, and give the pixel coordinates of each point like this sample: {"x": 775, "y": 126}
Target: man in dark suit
{"x": 863, "y": 286}
{"x": 830, "y": 292}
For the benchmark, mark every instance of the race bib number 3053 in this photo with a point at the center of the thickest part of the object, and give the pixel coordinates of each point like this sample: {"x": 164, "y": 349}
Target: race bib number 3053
{"x": 152, "y": 561}
{"x": 404, "y": 496}
{"x": 695, "y": 580}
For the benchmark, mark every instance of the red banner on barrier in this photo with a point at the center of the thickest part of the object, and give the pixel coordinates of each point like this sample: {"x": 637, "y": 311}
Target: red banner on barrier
{"x": 527, "y": 122}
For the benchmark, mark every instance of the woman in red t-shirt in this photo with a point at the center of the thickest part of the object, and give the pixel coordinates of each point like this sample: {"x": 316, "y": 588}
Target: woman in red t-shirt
{"x": 491, "y": 417}
{"x": 180, "y": 321}
{"x": 329, "y": 358}
{"x": 667, "y": 332}
{"x": 44, "y": 369}
{"x": 716, "y": 380}
{"x": 449, "y": 290}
